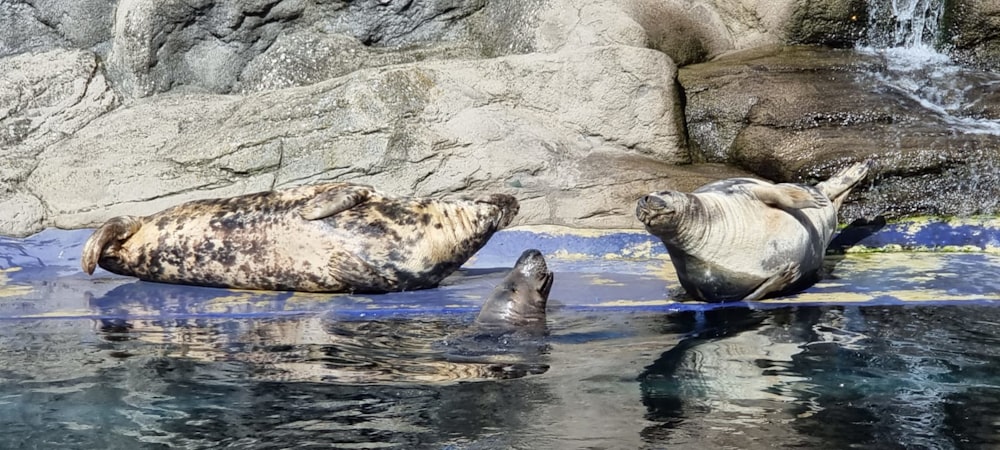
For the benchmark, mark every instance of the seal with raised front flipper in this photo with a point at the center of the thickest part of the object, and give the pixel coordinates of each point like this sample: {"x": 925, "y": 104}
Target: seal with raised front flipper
{"x": 331, "y": 237}
{"x": 746, "y": 239}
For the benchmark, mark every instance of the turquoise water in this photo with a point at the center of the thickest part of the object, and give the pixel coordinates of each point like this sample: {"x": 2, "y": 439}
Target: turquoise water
{"x": 893, "y": 350}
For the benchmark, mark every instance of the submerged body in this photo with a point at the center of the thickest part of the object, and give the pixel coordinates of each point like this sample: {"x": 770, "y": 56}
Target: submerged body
{"x": 745, "y": 239}
{"x": 332, "y": 237}
{"x": 511, "y": 321}
{"x": 519, "y": 301}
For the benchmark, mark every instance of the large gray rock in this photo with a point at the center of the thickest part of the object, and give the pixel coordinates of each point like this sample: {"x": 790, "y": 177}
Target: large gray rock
{"x": 307, "y": 56}
{"x": 836, "y": 23}
{"x": 545, "y": 127}
{"x": 22, "y": 32}
{"x": 162, "y": 44}
{"x": 797, "y": 114}
{"x": 389, "y": 23}
{"x": 692, "y": 31}
{"x": 43, "y": 99}
{"x": 40, "y": 25}
{"x": 224, "y": 46}
{"x": 206, "y": 45}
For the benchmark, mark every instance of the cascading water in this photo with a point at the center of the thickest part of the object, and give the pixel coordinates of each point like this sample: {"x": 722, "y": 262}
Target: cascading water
{"x": 905, "y": 34}
{"x": 904, "y": 23}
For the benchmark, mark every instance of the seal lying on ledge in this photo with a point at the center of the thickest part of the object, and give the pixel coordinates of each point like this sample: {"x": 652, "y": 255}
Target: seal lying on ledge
{"x": 744, "y": 239}
{"x": 332, "y": 237}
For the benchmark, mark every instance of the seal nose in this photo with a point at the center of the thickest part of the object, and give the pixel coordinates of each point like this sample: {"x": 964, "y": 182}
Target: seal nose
{"x": 651, "y": 202}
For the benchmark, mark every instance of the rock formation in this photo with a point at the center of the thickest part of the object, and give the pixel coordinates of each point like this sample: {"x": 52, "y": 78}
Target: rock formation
{"x": 111, "y": 107}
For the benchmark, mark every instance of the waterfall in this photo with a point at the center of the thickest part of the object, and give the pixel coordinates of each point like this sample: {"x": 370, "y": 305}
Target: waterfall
{"x": 904, "y": 23}
{"x": 905, "y": 34}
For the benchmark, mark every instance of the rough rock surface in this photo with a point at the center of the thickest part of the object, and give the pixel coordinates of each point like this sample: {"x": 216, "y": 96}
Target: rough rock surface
{"x": 127, "y": 106}
{"x": 40, "y": 25}
{"x": 44, "y": 98}
{"x": 797, "y": 113}
{"x": 428, "y": 129}
{"x": 973, "y": 32}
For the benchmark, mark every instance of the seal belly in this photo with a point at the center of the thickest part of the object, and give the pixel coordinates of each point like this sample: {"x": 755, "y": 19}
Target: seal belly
{"x": 712, "y": 282}
{"x": 266, "y": 241}
{"x": 229, "y": 249}
{"x": 750, "y": 251}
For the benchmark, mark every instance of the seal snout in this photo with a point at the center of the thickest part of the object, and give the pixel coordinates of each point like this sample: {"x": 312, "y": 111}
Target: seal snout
{"x": 520, "y": 299}
{"x": 652, "y": 201}
{"x": 509, "y": 207}
{"x": 653, "y": 205}
{"x": 532, "y": 266}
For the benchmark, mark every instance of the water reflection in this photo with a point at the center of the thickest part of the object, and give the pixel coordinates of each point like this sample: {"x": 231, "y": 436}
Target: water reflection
{"x": 830, "y": 377}
{"x": 299, "y": 381}
{"x": 812, "y": 376}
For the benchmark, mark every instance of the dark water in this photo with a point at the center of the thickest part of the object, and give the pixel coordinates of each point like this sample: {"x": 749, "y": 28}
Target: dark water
{"x": 808, "y": 376}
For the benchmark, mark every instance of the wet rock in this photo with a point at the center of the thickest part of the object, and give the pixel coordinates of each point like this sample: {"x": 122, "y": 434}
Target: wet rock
{"x": 696, "y": 31}
{"x": 796, "y": 114}
{"x": 972, "y": 29}
{"x": 833, "y": 23}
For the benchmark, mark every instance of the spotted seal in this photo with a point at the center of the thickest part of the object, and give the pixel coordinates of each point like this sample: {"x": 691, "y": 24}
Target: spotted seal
{"x": 330, "y": 237}
{"x": 744, "y": 239}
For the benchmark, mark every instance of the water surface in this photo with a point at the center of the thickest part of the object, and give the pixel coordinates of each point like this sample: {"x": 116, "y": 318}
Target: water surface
{"x": 891, "y": 350}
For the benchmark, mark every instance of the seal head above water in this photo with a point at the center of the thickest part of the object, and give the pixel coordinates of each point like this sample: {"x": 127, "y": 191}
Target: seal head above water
{"x": 519, "y": 301}
{"x": 331, "y": 237}
{"x": 512, "y": 321}
{"x": 745, "y": 239}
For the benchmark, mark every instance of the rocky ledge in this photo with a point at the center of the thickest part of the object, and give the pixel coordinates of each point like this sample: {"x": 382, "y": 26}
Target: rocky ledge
{"x": 112, "y": 107}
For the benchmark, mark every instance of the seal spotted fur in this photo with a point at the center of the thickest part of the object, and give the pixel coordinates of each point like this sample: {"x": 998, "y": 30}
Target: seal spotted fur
{"x": 744, "y": 239}
{"x": 332, "y": 237}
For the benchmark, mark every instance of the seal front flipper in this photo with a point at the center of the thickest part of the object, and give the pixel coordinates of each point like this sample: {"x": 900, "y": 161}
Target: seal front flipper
{"x": 779, "y": 281}
{"x": 328, "y": 203}
{"x": 789, "y": 196}
{"x": 357, "y": 275}
{"x": 113, "y": 232}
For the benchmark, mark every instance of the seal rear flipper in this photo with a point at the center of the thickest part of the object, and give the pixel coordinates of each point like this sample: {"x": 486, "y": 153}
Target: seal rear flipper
{"x": 114, "y": 231}
{"x": 328, "y": 203}
{"x": 789, "y": 196}
{"x": 839, "y": 185}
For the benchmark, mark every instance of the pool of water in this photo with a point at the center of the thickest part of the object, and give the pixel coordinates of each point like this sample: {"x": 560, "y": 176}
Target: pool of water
{"x": 892, "y": 350}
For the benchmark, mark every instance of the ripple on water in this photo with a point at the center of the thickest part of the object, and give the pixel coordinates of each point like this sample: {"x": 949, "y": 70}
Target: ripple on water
{"x": 833, "y": 376}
